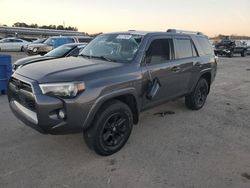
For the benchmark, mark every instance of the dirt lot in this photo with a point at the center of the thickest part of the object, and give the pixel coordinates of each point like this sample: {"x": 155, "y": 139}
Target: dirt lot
{"x": 189, "y": 149}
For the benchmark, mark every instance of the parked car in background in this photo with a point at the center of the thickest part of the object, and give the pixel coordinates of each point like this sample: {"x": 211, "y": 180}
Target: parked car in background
{"x": 228, "y": 47}
{"x": 66, "y": 50}
{"x": 12, "y": 44}
{"x": 53, "y": 42}
{"x": 248, "y": 50}
{"x": 38, "y": 41}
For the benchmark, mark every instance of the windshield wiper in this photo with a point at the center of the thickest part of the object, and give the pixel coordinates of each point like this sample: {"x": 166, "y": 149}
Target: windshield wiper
{"x": 105, "y": 58}
{"x": 88, "y": 56}
{"x": 98, "y": 57}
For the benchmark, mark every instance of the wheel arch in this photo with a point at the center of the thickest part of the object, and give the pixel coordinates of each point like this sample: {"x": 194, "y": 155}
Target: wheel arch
{"x": 207, "y": 76}
{"x": 127, "y": 96}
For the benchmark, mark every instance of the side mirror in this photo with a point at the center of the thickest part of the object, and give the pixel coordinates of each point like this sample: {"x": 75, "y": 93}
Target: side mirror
{"x": 153, "y": 89}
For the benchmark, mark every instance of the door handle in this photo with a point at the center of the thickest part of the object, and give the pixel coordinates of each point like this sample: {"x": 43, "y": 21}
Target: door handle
{"x": 197, "y": 64}
{"x": 175, "y": 69}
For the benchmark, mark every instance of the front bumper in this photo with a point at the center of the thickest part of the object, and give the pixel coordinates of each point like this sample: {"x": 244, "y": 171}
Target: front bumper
{"x": 41, "y": 112}
{"x": 222, "y": 51}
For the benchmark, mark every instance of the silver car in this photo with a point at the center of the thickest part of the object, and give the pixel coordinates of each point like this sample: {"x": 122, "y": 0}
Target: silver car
{"x": 12, "y": 44}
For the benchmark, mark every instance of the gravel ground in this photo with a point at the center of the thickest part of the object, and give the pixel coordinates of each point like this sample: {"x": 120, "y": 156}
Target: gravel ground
{"x": 187, "y": 149}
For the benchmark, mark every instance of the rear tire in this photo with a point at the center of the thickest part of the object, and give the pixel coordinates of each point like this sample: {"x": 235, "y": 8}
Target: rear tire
{"x": 231, "y": 54}
{"x": 244, "y": 53}
{"x": 197, "y": 98}
{"x": 110, "y": 129}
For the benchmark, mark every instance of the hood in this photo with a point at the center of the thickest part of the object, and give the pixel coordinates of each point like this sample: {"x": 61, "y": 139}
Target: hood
{"x": 31, "y": 59}
{"x": 65, "y": 69}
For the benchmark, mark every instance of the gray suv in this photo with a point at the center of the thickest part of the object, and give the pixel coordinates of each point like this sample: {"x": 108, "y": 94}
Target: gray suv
{"x": 118, "y": 75}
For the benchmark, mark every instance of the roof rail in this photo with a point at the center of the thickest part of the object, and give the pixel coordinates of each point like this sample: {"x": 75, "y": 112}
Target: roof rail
{"x": 183, "y": 31}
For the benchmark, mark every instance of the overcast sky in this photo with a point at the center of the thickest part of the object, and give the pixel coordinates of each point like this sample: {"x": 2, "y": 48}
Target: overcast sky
{"x": 209, "y": 16}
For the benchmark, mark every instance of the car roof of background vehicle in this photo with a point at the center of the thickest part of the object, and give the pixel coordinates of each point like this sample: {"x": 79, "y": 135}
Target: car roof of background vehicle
{"x": 80, "y": 36}
{"x": 14, "y": 38}
{"x": 74, "y": 44}
{"x": 62, "y": 36}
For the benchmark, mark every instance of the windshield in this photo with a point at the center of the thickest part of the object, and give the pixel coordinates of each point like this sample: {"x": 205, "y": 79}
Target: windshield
{"x": 50, "y": 41}
{"x": 61, "y": 51}
{"x": 38, "y": 41}
{"x": 113, "y": 47}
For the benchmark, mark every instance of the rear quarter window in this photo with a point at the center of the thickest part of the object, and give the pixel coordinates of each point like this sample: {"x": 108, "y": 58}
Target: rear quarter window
{"x": 205, "y": 45}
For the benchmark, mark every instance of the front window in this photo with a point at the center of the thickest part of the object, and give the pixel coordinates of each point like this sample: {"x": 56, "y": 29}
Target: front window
{"x": 159, "y": 51}
{"x": 113, "y": 47}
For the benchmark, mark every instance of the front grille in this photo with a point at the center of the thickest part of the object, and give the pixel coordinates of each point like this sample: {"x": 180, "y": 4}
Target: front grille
{"x": 22, "y": 93}
{"x": 21, "y": 85}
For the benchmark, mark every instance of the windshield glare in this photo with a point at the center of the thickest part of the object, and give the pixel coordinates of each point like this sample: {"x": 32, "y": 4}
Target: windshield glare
{"x": 116, "y": 47}
{"x": 38, "y": 41}
{"x": 59, "y": 52}
{"x": 50, "y": 41}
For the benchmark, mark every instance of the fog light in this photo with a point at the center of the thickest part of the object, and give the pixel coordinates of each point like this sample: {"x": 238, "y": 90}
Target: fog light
{"x": 62, "y": 114}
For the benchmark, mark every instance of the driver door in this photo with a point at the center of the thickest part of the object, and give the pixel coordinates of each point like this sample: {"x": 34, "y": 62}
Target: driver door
{"x": 159, "y": 64}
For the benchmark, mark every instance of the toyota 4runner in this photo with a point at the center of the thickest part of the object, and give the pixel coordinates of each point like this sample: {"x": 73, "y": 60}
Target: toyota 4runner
{"x": 116, "y": 76}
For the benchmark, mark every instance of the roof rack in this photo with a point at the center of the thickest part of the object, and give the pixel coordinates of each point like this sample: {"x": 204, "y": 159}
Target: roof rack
{"x": 183, "y": 31}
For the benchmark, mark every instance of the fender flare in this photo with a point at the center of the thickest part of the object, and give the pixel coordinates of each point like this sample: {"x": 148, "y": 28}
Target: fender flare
{"x": 208, "y": 70}
{"x": 103, "y": 98}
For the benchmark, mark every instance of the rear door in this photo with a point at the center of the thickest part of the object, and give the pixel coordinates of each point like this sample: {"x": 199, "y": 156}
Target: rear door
{"x": 16, "y": 44}
{"x": 187, "y": 60}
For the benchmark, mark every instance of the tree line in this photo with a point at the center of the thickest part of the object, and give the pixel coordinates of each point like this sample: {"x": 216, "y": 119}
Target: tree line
{"x": 57, "y": 27}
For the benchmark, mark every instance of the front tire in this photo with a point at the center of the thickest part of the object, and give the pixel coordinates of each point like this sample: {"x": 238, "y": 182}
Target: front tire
{"x": 197, "y": 98}
{"x": 110, "y": 129}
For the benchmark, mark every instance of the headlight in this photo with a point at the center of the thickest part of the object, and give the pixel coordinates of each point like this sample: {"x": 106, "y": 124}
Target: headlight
{"x": 65, "y": 90}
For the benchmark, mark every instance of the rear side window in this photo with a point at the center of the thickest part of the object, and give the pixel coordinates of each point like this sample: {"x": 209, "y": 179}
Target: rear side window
{"x": 6, "y": 40}
{"x": 159, "y": 51}
{"x": 75, "y": 52}
{"x": 205, "y": 45}
{"x": 16, "y": 40}
{"x": 185, "y": 48}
